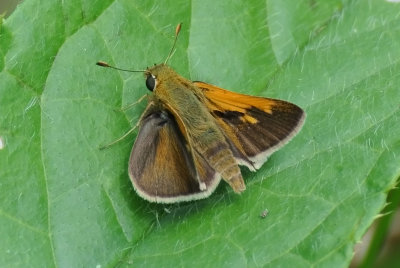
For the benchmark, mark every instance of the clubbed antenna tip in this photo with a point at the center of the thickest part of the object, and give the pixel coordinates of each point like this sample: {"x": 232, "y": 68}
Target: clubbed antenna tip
{"x": 177, "y": 30}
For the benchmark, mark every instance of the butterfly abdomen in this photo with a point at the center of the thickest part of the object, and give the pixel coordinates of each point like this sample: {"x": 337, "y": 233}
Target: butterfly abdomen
{"x": 221, "y": 159}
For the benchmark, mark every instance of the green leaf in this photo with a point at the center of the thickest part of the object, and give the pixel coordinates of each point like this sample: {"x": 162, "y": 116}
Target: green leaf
{"x": 65, "y": 203}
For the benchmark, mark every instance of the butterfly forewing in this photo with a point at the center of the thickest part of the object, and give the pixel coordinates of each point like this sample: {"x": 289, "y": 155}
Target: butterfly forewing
{"x": 255, "y": 126}
{"x": 161, "y": 165}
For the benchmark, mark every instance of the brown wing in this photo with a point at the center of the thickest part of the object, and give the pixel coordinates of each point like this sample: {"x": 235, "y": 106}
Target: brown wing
{"x": 255, "y": 126}
{"x": 161, "y": 167}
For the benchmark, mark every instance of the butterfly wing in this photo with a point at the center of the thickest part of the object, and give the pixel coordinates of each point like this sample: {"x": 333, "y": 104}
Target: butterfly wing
{"x": 161, "y": 167}
{"x": 255, "y": 127}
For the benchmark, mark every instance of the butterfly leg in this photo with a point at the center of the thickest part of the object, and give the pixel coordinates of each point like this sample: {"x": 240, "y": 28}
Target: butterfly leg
{"x": 148, "y": 110}
{"x": 134, "y": 103}
{"x": 119, "y": 139}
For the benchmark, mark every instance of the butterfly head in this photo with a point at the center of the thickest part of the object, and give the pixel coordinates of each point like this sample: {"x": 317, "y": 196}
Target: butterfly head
{"x": 157, "y": 74}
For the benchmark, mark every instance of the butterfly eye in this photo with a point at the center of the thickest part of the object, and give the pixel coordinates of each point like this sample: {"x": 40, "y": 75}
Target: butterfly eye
{"x": 151, "y": 82}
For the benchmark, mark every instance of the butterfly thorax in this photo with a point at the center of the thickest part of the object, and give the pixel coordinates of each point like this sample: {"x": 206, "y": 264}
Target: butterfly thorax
{"x": 184, "y": 101}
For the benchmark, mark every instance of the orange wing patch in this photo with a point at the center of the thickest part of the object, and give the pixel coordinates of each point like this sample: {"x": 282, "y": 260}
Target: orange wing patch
{"x": 248, "y": 119}
{"x": 229, "y": 101}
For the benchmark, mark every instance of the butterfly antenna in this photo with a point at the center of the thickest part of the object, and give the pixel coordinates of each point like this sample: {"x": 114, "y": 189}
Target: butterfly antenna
{"x": 106, "y": 65}
{"x": 177, "y": 30}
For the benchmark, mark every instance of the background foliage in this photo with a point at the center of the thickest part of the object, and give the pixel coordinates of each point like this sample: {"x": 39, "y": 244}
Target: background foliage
{"x": 64, "y": 203}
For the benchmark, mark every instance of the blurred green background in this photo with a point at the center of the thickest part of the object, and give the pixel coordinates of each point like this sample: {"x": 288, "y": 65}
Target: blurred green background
{"x": 389, "y": 252}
